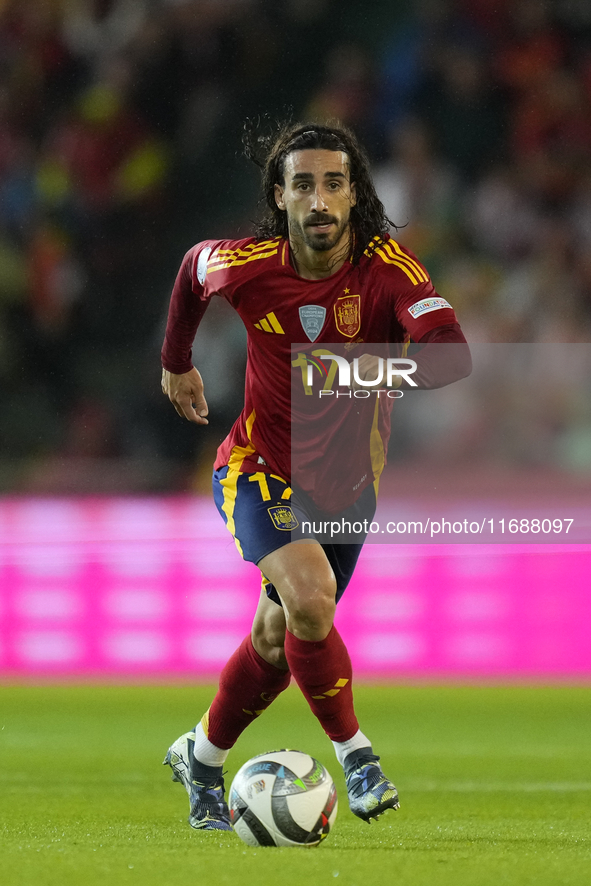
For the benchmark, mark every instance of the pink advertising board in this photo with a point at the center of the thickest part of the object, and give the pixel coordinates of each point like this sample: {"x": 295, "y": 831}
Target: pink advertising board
{"x": 114, "y": 588}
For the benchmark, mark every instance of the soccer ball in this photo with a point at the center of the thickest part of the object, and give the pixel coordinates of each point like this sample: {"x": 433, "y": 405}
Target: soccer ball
{"x": 283, "y": 798}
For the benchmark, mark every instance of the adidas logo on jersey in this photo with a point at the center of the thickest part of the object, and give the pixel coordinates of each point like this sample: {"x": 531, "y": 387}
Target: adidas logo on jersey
{"x": 270, "y": 323}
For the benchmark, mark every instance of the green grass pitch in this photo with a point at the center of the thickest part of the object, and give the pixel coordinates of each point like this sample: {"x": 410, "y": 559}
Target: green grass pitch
{"x": 495, "y": 786}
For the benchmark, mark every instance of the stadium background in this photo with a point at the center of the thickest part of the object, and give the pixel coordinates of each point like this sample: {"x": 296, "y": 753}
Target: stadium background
{"x": 119, "y": 148}
{"x": 120, "y": 590}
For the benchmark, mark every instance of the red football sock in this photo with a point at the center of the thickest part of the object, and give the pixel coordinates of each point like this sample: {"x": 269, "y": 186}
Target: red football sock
{"x": 322, "y": 670}
{"x": 248, "y": 685}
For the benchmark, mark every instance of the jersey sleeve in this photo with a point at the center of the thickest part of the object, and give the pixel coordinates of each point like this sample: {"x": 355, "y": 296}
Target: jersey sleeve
{"x": 442, "y": 357}
{"x": 187, "y": 306}
{"x": 419, "y": 308}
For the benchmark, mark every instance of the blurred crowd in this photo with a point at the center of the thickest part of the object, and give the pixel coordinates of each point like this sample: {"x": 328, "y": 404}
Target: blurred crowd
{"x": 120, "y": 125}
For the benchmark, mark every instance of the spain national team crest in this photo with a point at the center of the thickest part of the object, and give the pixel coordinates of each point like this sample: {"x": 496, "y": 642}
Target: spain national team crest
{"x": 347, "y": 315}
{"x": 283, "y": 517}
{"x": 312, "y": 319}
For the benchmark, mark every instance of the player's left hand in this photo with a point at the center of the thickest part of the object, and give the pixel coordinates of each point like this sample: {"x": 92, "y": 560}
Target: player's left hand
{"x": 368, "y": 369}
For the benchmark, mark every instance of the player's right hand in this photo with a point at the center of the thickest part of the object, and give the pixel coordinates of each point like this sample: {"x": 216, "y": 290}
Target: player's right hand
{"x": 185, "y": 392}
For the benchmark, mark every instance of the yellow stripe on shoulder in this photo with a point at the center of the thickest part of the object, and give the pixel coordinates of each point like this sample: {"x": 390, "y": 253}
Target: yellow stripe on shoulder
{"x": 230, "y": 262}
{"x": 249, "y": 248}
{"x": 387, "y": 257}
{"x": 394, "y": 249}
{"x": 371, "y": 246}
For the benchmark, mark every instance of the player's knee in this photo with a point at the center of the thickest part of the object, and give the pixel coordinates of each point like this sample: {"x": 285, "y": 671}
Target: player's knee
{"x": 310, "y": 615}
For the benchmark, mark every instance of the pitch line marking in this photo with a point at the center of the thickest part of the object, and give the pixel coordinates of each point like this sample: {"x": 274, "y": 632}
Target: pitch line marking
{"x": 468, "y": 787}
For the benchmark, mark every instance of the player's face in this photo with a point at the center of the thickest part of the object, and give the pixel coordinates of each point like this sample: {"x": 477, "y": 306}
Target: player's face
{"x": 317, "y": 195}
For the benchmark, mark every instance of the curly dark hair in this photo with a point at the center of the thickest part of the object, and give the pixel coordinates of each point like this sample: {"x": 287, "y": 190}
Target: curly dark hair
{"x": 269, "y": 150}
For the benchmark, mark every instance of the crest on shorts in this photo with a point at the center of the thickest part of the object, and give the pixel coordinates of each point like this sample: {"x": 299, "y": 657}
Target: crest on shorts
{"x": 312, "y": 318}
{"x": 283, "y": 517}
{"x": 347, "y": 315}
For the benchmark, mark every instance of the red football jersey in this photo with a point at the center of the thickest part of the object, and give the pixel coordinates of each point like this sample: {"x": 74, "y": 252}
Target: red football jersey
{"x": 386, "y": 297}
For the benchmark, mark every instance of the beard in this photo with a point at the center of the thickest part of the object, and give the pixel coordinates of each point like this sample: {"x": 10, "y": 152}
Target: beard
{"x": 319, "y": 241}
